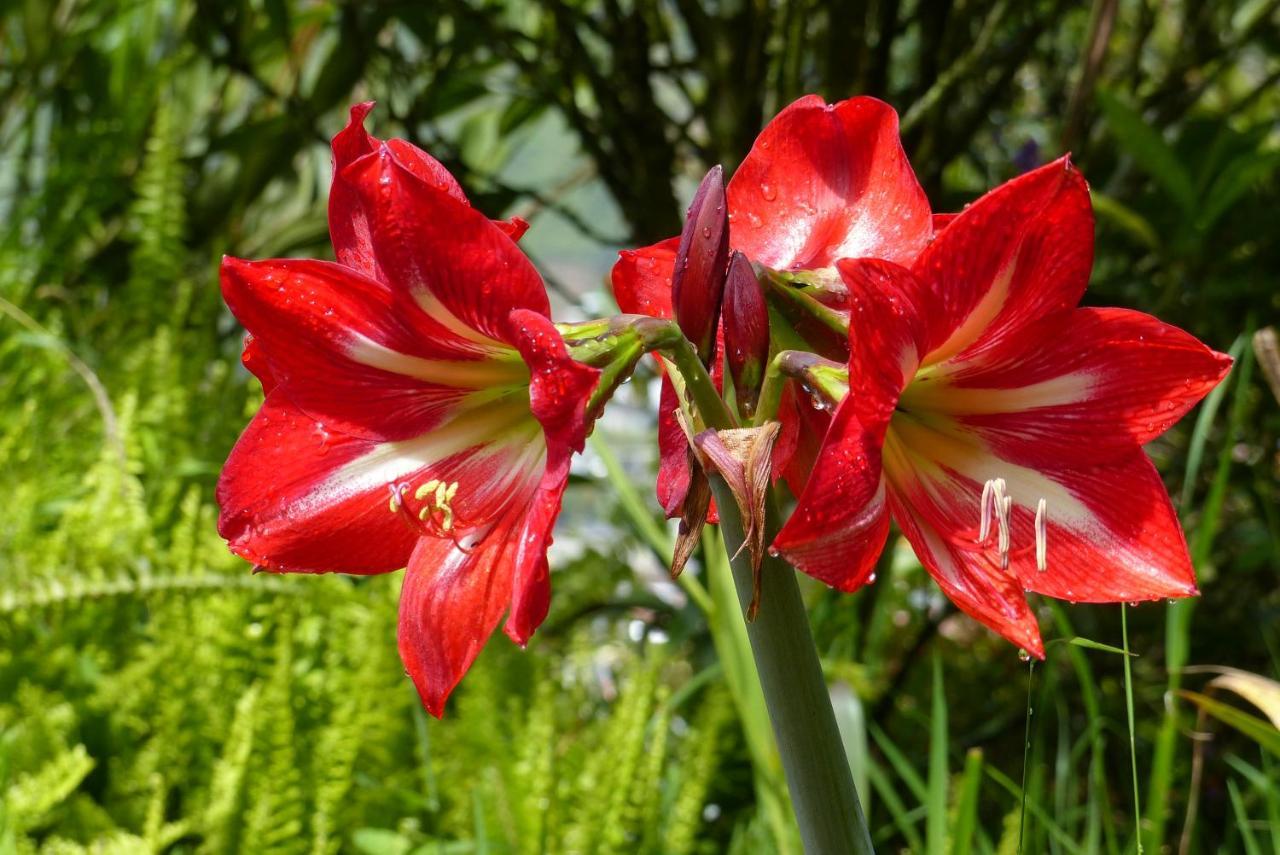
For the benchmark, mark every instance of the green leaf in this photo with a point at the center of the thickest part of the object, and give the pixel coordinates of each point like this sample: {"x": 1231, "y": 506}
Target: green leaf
{"x": 1149, "y": 150}
{"x": 1125, "y": 218}
{"x": 936, "y": 817}
{"x": 1098, "y": 645}
{"x": 380, "y": 841}
{"x": 1262, "y": 732}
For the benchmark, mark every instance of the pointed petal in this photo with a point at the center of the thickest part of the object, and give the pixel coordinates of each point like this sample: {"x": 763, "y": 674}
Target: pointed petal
{"x": 1111, "y": 533}
{"x": 824, "y": 182}
{"x": 974, "y": 582}
{"x": 1126, "y": 546}
{"x": 514, "y": 227}
{"x": 358, "y": 355}
{"x": 460, "y": 268}
{"x": 450, "y": 604}
{"x": 887, "y": 328}
{"x": 641, "y": 279}
{"x": 840, "y": 524}
{"x": 277, "y": 512}
{"x": 349, "y": 222}
{"x": 1020, "y": 253}
{"x": 299, "y": 496}
{"x": 1078, "y": 388}
{"x": 253, "y": 359}
{"x": 348, "y": 225}
{"x": 560, "y": 389}
{"x": 559, "y": 386}
{"x": 674, "y": 474}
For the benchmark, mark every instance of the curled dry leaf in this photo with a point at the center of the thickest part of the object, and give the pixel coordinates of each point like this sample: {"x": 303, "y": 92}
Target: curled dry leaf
{"x": 742, "y": 457}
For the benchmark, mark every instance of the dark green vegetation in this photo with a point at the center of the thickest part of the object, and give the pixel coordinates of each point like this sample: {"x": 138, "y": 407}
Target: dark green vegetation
{"x": 154, "y": 696}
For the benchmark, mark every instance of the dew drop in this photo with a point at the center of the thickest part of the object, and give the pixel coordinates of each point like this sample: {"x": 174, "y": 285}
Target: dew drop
{"x": 769, "y": 192}
{"x": 1024, "y": 655}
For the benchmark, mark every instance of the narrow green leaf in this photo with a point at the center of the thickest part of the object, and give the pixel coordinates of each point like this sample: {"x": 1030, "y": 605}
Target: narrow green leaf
{"x": 966, "y": 818}
{"x": 1098, "y": 645}
{"x": 936, "y": 817}
{"x": 1260, "y": 731}
{"x": 1149, "y": 150}
{"x": 1250, "y": 842}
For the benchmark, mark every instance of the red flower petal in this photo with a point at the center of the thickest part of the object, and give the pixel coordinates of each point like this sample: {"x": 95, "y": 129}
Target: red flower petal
{"x": 839, "y": 527}
{"x": 450, "y": 604}
{"x": 824, "y": 182}
{"x": 357, "y": 354}
{"x": 642, "y": 279}
{"x": 1020, "y": 253}
{"x": 559, "y": 392}
{"x": 840, "y": 524}
{"x": 298, "y": 495}
{"x": 277, "y": 512}
{"x": 1128, "y": 546}
{"x": 1078, "y": 388}
{"x": 972, "y": 581}
{"x": 349, "y": 224}
{"x": 257, "y": 364}
{"x": 1111, "y": 534}
{"x": 673, "y": 459}
{"x": 887, "y": 324}
{"x": 456, "y": 264}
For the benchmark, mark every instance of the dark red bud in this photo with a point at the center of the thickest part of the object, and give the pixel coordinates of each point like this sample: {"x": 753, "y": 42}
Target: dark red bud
{"x": 746, "y": 331}
{"x": 697, "y": 285}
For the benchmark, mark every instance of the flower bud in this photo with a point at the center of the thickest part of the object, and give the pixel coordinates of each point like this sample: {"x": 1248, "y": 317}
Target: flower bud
{"x": 746, "y": 331}
{"x": 697, "y": 283}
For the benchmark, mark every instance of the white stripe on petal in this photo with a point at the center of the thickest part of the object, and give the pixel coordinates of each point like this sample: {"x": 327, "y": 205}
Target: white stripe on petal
{"x": 439, "y": 313}
{"x": 391, "y": 462}
{"x": 462, "y": 374}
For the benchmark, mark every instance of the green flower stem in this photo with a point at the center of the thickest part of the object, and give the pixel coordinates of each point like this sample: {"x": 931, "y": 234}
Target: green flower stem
{"x": 804, "y": 724}
{"x": 771, "y": 391}
{"x": 818, "y": 776}
{"x": 665, "y": 336}
{"x": 791, "y": 291}
{"x": 827, "y": 379}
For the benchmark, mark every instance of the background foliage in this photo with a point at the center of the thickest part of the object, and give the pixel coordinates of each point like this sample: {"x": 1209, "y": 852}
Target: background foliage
{"x": 155, "y": 696}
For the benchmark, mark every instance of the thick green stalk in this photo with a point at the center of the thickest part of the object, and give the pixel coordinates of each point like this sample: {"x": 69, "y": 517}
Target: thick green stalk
{"x": 818, "y": 775}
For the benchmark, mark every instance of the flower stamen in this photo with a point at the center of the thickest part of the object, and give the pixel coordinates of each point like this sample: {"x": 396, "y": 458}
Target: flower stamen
{"x": 437, "y": 497}
{"x": 984, "y": 526}
{"x": 1042, "y": 537}
{"x": 1003, "y": 505}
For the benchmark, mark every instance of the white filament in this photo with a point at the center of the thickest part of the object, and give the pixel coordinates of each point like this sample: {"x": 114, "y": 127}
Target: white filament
{"x": 1042, "y": 537}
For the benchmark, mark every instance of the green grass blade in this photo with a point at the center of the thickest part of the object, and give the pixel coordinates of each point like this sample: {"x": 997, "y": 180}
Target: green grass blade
{"x": 1259, "y": 730}
{"x": 1056, "y": 832}
{"x": 899, "y": 815}
{"x": 966, "y": 816}
{"x": 1128, "y": 706}
{"x": 1247, "y": 837}
{"x": 936, "y": 817}
{"x": 901, "y": 765}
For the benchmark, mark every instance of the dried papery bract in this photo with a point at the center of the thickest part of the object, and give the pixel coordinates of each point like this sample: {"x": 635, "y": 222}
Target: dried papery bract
{"x": 742, "y": 457}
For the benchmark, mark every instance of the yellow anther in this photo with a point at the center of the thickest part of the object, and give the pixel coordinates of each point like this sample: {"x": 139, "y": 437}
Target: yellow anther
{"x": 436, "y": 496}
{"x": 427, "y": 488}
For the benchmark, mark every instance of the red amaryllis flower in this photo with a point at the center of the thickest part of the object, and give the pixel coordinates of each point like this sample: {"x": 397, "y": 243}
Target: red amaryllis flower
{"x": 1000, "y": 426}
{"x": 822, "y": 182}
{"x": 421, "y": 409}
